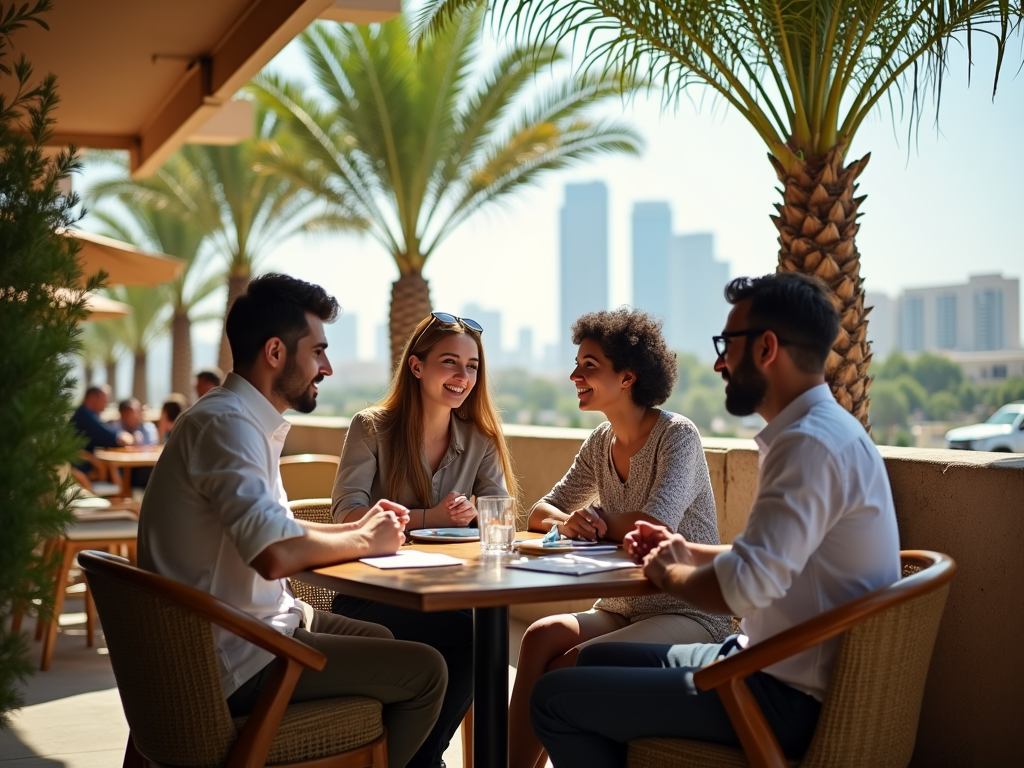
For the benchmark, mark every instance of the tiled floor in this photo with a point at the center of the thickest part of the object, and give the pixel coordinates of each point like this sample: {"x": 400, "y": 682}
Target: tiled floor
{"x": 72, "y": 715}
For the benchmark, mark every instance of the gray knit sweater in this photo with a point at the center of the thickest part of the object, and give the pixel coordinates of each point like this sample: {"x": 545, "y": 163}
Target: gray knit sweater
{"x": 668, "y": 480}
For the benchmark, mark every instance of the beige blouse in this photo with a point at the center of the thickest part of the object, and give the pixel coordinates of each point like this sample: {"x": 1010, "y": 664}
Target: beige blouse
{"x": 668, "y": 480}
{"x": 470, "y": 466}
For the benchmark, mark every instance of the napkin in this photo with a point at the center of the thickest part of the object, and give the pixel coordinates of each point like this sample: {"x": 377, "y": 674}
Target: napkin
{"x": 411, "y": 558}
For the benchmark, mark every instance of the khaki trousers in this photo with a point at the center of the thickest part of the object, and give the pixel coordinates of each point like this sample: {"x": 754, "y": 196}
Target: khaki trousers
{"x": 364, "y": 659}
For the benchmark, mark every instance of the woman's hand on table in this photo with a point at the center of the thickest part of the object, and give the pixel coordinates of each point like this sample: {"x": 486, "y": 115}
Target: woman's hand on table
{"x": 382, "y": 527}
{"x": 584, "y": 524}
{"x": 456, "y": 506}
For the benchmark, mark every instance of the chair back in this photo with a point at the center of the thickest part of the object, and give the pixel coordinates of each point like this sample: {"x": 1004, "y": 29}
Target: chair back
{"x": 309, "y": 475}
{"x": 870, "y": 714}
{"x": 314, "y": 511}
{"x": 163, "y": 658}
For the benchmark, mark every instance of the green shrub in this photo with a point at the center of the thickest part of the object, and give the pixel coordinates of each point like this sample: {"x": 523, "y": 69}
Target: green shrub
{"x": 911, "y": 388}
{"x": 941, "y": 406}
{"x": 936, "y": 373}
{"x": 40, "y": 333}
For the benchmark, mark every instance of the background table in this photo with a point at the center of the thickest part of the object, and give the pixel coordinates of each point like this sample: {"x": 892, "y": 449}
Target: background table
{"x": 488, "y": 586}
{"x": 126, "y": 458}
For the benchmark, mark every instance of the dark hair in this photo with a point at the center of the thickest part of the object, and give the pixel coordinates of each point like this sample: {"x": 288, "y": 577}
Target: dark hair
{"x": 173, "y": 406}
{"x": 213, "y": 375}
{"x": 97, "y": 389}
{"x": 129, "y": 405}
{"x": 274, "y": 305}
{"x": 797, "y": 308}
{"x": 632, "y": 340}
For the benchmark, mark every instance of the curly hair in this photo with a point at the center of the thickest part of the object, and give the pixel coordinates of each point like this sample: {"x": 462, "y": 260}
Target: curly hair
{"x": 632, "y": 340}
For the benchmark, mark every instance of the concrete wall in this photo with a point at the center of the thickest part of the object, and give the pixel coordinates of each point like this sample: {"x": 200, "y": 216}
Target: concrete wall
{"x": 968, "y": 505}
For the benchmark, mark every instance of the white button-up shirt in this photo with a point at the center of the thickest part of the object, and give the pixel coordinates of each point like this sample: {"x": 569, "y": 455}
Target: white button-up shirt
{"x": 821, "y": 532}
{"x": 214, "y": 502}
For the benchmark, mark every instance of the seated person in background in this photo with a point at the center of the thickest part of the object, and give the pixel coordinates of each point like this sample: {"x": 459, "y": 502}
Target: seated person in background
{"x": 87, "y": 422}
{"x": 175, "y": 404}
{"x": 207, "y": 379}
{"x": 822, "y": 531}
{"x": 216, "y": 518}
{"x": 642, "y": 464}
{"x": 142, "y": 432}
{"x": 433, "y": 443}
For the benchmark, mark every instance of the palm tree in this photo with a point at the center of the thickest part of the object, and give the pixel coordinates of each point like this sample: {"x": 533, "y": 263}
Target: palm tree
{"x": 139, "y": 330}
{"x": 805, "y": 75}
{"x": 164, "y": 216}
{"x": 101, "y": 343}
{"x": 417, "y": 138}
{"x": 250, "y": 212}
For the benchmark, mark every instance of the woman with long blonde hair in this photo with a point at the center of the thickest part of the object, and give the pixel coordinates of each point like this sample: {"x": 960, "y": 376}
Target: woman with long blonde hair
{"x": 433, "y": 444}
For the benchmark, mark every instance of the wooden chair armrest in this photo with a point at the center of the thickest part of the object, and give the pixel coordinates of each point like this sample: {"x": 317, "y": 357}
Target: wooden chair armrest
{"x": 81, "y": 478}
{"x": 211, "y": 608}
{"x": 831, "y": 623}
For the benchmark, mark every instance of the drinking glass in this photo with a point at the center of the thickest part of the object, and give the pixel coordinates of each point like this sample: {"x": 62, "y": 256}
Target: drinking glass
{"x": 497, "y": 522}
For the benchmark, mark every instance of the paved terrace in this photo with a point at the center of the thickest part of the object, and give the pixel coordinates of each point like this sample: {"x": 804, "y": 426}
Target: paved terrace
{"x": 968, "y": 505}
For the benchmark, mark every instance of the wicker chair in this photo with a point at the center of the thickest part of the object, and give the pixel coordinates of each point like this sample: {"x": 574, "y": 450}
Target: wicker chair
{"x": 160, "y": 637}
{"x": 319, "y": 511}
{"x": 309, "y": 475}
{"x": 869, "y": 717}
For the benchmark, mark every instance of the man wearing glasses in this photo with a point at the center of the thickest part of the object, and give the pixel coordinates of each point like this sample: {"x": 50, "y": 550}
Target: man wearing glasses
{"x": 822, "y": 531}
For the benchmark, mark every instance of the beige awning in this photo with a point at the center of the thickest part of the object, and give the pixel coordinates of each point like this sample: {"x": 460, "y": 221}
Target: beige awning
{"x": 99, "y": 307}
{"x": 125, "y": 264}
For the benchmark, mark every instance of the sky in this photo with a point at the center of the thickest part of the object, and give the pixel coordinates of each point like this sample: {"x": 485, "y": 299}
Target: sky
{"x": 942, "y": 204}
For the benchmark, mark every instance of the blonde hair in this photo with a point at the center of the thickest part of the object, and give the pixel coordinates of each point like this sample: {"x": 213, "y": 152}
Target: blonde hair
{"x": 398, "y": 417}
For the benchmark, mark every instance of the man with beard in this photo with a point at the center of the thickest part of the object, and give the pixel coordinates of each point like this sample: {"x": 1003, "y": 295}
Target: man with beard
{"x": 821, "y": 532}
{"x": 215, "y": 517}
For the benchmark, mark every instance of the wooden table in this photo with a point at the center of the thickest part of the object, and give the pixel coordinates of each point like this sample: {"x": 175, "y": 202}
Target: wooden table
{"x": 487, "y": 586}
{"x": 127, "y": 458}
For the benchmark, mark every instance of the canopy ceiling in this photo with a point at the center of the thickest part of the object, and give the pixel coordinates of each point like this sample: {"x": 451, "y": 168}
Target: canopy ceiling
{"x": 147, "y": 76}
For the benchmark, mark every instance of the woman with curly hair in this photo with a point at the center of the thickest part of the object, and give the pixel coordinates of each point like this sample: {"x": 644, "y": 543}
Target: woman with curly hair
{"x": 642, "y": 464}
{"x": 432, "y": 444}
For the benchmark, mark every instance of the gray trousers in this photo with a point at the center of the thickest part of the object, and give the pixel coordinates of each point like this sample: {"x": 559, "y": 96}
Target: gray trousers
{"x": 617, "y": 692}
{"x": 364, "y": 659}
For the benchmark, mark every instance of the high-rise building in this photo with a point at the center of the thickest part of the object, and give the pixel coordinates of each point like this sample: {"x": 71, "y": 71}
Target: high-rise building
{"x": 881, "y": 324}
{"x": 343, "y": 339}
{"x": 583, "y": 256}
{"x": 697, "y": 284}
{"x": 652, "y": 243}
{"x": 490, "y": 321}
{"x": 982, "y": 315}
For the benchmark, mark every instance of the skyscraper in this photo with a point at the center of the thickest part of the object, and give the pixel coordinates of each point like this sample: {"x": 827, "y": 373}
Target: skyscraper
{"x": 583, "y": 250}
{"x": 697, "y": 284}
{"x": 652, "y": 242}
{"x": 343, "y": 339}
{"x": 490, "y": 321}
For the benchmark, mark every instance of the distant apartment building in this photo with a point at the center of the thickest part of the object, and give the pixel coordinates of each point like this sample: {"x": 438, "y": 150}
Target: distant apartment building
{"x": 343, "y": 338}
{"x": 696, "y": 286}
{"x": 583, "y": 257}
{"x": 988, "y": 369}
{"x": 490, "y": 321}
{"x": 652, "y": 244}
{"x": 981, "y": 316}
{"x": 881, "y": 324}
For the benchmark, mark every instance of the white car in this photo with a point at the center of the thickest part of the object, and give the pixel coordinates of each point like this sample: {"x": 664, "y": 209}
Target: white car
{"x": 1003, "y": 432}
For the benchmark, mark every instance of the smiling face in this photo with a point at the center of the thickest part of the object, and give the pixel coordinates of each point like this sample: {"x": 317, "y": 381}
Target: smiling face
{"x": 598, "y": 385}
{"x": 448, "y": 372}
{"x": 305, "y": 369}
{"x": 745, "y": 385}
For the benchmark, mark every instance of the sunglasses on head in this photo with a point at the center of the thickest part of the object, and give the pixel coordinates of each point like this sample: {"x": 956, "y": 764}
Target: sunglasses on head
{"x": 465, "y": 322}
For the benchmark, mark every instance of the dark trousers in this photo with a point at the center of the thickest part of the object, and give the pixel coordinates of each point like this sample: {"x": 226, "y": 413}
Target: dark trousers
{"x": 451, "y": 633}
{"x": 621, "y": 691}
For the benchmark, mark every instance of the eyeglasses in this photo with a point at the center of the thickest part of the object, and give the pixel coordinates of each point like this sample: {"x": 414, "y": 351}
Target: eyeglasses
{"x": 722, "y": 342}
{"x": 465, "y": 322}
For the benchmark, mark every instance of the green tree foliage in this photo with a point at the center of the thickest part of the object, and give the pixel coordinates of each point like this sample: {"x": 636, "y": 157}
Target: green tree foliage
{"x": 895, "y": 365}
{"x": 1009, "y": 391}
{"x": 890, "y": 406}
{"x": 40, "y": 334}
{"x": 916, "y": 394}
{"x": 416, "y": 138}
{"x": 936, "y": 373}
{"x": 941, "y": 406}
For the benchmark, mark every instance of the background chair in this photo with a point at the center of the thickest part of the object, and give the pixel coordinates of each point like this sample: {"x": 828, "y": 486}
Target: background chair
{"x": 309, "y": 475}
{"x": 160, "y": 637}
{"x": 870, "y": 713}
{"x": 319, "y": 511}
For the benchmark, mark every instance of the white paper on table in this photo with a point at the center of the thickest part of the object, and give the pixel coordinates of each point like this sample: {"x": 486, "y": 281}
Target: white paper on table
{"x": 411, "y": 558}
{"x": 570, "y": 565}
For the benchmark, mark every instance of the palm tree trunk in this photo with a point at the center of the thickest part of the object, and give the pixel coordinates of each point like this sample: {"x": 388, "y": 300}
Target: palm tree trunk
{"x": 111, "y": 366}
{"x": 817, "y": 224}
{"x": 410, "y": 303}
{"x": 236, "y": 286}
{"x": 139, "y": 378}
{"x": 181, "y": 353}
{"x": 89, "y": 373}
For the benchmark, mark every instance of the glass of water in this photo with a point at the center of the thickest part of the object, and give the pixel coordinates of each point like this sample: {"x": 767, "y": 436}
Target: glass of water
{"x": 497, "y": 522}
